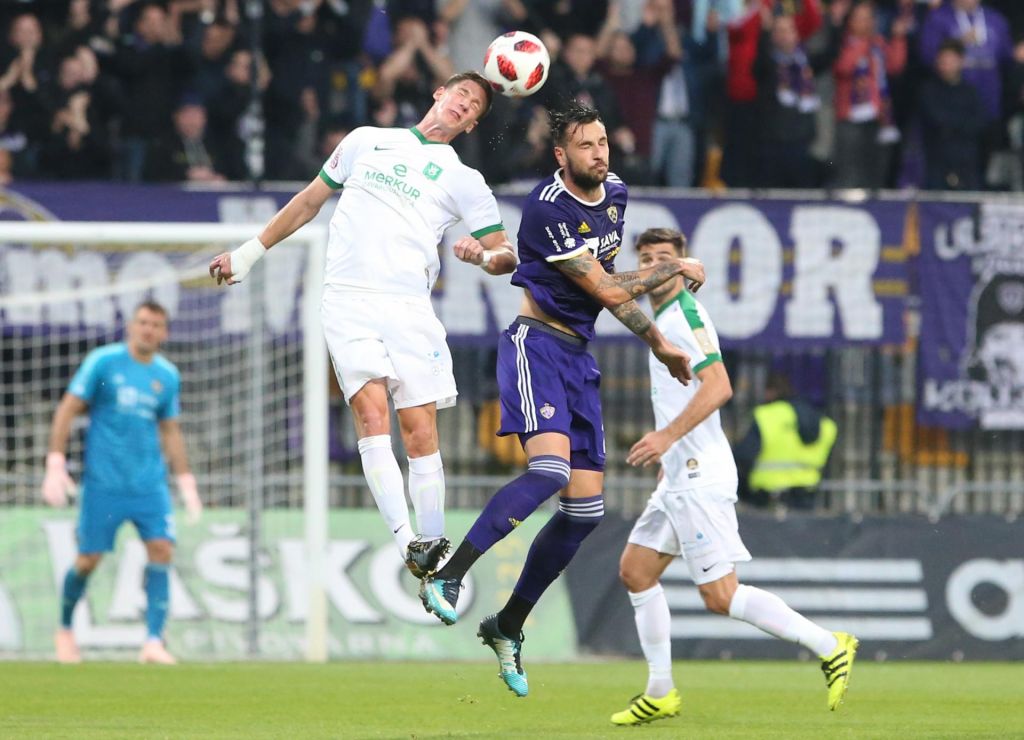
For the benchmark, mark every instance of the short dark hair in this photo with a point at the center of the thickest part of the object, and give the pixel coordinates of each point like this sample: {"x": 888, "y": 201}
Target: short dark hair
{"x": 567, "y": 119}
{"x": 150, "y": 305}
{"x": 657, "y": 236}
{"x": 478, "y": 79}
{"x": 954, "y": 45}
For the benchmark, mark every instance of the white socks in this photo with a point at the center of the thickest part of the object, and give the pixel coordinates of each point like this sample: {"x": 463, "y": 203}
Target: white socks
{"x": 653, "y": 625}
{"x": 426, "y": 489}
{"x": 380, "y": 468}
{"x": 769, "y": 613}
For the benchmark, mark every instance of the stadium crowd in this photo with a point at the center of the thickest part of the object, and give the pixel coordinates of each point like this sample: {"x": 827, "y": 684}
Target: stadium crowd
{"x": 737, "y": 93}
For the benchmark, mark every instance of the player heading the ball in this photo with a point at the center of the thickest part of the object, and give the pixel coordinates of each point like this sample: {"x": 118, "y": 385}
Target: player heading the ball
{"x": 403, "y": 189}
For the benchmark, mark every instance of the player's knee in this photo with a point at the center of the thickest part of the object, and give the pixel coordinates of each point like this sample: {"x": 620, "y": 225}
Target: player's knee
{"x": 634, "y": 578}
{"x": 371, "y": 421}
{"x": 160, "y": 551}
{"x": 716, "y": 600}
{"x": 86, "y": 564}
{"x": 420, "y": 441}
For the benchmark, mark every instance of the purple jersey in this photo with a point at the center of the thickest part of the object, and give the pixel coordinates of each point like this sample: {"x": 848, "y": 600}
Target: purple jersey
{"x": 557, "y": 225}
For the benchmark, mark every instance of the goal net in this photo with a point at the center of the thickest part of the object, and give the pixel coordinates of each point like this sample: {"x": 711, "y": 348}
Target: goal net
{"x": 253, "y": 412}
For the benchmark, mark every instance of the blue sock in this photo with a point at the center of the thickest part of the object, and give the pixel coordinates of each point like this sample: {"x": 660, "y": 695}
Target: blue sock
{"x": 158, "y": 597}
{"x": 552, "y": 549}
{"x": 74, "y": 587}
{"x": 509, "y": 507}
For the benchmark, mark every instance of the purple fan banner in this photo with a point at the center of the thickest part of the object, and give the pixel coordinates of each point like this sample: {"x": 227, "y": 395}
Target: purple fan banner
{"x": 972, "y": 315}
{"x": 782, "y": 275}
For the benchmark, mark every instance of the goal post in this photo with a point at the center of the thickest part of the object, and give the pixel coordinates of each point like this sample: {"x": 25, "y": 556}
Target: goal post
{"x": 66, "y": 287}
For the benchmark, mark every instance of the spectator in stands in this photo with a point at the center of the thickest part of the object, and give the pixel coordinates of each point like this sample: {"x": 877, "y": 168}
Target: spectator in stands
{"x": 865, "y": 127}
{"x": 229, "y": 116}
{"x": 783, "y": 455}
{"x": 567, "y": 18}
{"x": 1015, "y": 98}
{"x": 471, "y": 25}
{"x": 6, "y": 166}
{"x": 24, "y": 72}
{"x": 574, "y": 77}
{"x": 740, "y": 157}
{"x": 290, "y": 49}
{"x": 154, "y": 70}
{"x": 215, "y": 49}
{"x": 76, "y": 145}
{"x": 13, "y": 141}
{"x": 185, "y": 156}
{"x": 412, "y": 72}
{"x": 637, "y": 88}
{"x": 985, "y": 36}
{"x": 952, "y": 118}
{"x": 788, "y": 100}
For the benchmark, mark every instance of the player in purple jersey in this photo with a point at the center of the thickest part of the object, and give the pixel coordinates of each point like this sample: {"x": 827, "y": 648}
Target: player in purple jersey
{"x": 571, "y": 230}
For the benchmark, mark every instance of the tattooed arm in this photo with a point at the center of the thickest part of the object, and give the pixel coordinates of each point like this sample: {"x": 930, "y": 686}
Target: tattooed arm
{"x": 616, "y": 289}
{"x": 634, "y": 319}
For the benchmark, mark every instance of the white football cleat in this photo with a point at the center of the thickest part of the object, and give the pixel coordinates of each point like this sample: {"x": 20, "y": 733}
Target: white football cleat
{"x": 153, "y": 651}
{"x": 65, "y": 646}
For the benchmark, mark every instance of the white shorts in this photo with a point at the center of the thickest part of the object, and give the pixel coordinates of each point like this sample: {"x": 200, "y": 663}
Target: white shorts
{"x": 396, "y": 337}
{"x": 699, "y": 524}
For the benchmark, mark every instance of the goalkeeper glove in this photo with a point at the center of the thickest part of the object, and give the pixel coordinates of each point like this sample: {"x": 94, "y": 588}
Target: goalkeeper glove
{"x": 190, "y": 497}
{"x": 57, "y": 485}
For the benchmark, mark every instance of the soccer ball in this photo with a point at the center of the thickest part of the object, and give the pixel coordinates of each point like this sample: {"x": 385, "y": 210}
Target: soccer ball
{"x": 516, "y": 64}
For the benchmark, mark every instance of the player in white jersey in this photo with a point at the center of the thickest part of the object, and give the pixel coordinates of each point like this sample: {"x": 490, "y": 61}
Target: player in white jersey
{"x": 692, "y": 511}
{"x": 403, "y": 188}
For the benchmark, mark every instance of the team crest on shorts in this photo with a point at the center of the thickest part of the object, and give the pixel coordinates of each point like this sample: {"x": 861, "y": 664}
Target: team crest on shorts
{"x": 547, "y": 411}
{"x": 613, "y": 214}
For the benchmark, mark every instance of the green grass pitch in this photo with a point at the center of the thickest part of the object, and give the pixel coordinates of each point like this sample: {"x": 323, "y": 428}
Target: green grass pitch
{"x": 739, "y": 699}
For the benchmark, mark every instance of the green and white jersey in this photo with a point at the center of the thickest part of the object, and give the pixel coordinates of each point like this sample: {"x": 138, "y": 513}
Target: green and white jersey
{"x": 401, "y": 193}
{"x": 703, "y": 457}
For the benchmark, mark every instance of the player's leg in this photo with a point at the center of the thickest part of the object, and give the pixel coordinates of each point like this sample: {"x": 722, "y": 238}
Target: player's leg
{"x": 352, "y": 328}
{"x": 527, "y": 370}
{"x": 373, "y": 428}
{"x": 418, "y": 425}
{"x": 153, "y": 517}
{"x": 771, "y": 614}
{"x": 156, "y": 583}
{"x": 99, "y": 517}
{"x": 580, "y": 510}
{"x": 75, "y": 581}
{"x": 711, "y": 560}
{"x": 640, "y": 570}
{"x": 546, "y": 474}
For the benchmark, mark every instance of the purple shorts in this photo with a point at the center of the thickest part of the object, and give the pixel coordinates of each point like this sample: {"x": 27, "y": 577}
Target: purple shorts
{"x": 548, "y": 382}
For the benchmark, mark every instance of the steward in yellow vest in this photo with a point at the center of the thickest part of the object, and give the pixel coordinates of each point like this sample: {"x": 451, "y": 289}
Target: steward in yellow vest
{"x": 785, "y": 452}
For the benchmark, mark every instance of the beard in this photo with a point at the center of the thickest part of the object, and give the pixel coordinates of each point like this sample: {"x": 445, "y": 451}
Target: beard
{"x": 584, "y": 179}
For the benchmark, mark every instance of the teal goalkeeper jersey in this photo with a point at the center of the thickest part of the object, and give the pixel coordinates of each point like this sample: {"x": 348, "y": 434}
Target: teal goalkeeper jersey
{"x": 127, "y": 399}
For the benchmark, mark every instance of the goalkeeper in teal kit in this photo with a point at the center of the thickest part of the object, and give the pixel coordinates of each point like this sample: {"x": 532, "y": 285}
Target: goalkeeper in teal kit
{"x": 130, "y": 393}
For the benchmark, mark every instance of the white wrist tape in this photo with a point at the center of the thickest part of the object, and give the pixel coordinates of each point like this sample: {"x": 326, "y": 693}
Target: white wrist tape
{"x": 243, "y": 258}
{"x": 486, "y": 257}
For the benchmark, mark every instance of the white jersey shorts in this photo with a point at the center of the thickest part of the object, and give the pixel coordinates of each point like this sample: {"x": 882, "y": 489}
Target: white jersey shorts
{"x": 698, "y": 524}
{"x": 394, "y": 337}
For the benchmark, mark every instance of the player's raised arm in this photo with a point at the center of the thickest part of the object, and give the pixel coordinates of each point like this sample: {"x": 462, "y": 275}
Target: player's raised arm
{"x": 299, "y": 211}
{"x": 491, "y": 252}
{"x": 714, "y": 391}
{"x": 615, "y": 289}
{"x": 57, "y": 483}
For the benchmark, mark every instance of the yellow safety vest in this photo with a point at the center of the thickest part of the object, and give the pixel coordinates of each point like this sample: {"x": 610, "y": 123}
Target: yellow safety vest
{"x": 785, "y": 461}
